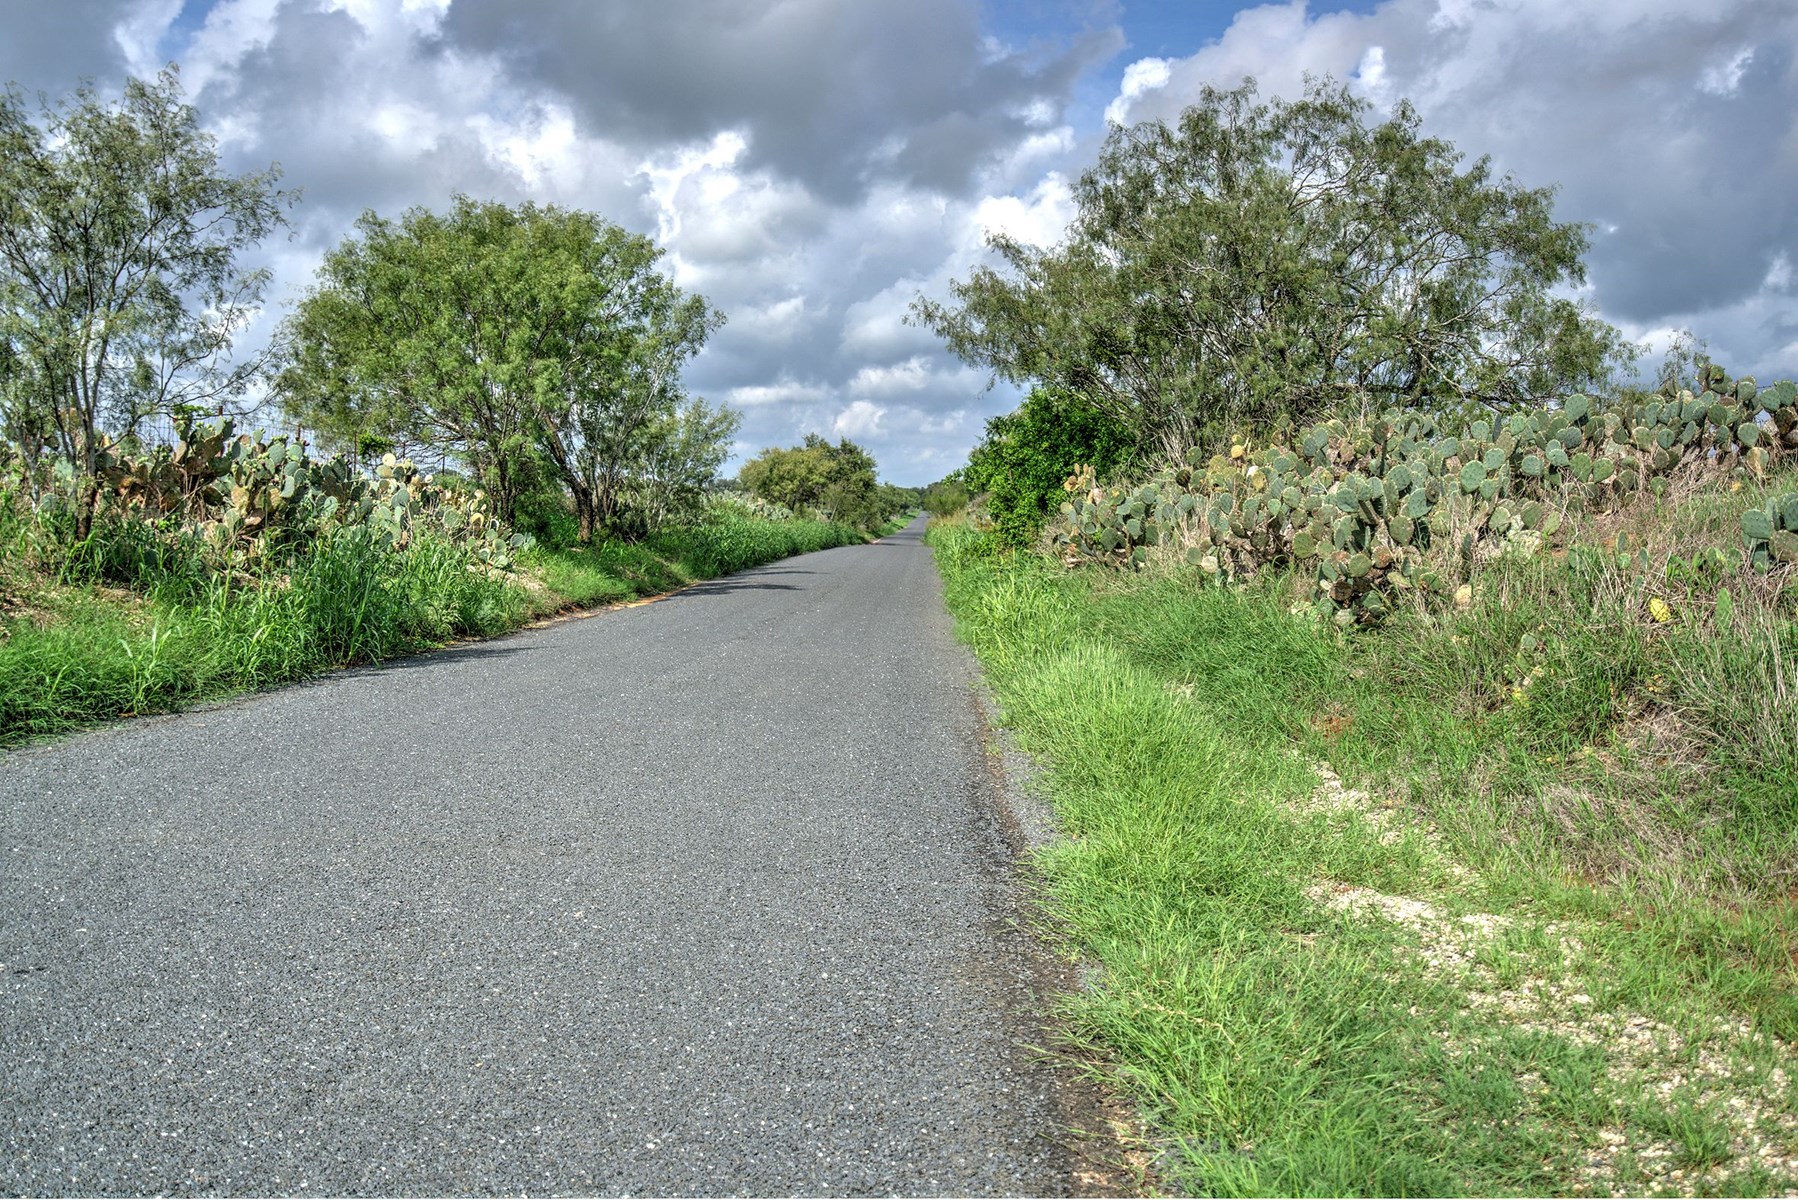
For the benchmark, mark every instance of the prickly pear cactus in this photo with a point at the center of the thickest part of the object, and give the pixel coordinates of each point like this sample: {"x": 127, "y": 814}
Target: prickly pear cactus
{"x": 252, "y": 495}
{"x": 1771, "y": 532}
{"x": 1362, "y": 503}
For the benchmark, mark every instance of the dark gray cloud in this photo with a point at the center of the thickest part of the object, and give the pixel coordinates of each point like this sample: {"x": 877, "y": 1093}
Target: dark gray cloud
{"x": 832, "y": 93}
{"x": 47, "y": 47}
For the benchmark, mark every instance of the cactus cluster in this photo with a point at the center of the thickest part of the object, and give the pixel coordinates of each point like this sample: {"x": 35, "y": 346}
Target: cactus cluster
{"x": 1771, "y": 531}
{"x": 1363, "y": 502}
{"x": 253, "y": 494}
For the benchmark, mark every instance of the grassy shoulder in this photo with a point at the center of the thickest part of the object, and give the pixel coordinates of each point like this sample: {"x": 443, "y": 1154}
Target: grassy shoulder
{"x": 1496, "y": 900}
{"x": 77, "y": 648}
{"x": 897, "y": 522}
{"x": 612, "y": 572}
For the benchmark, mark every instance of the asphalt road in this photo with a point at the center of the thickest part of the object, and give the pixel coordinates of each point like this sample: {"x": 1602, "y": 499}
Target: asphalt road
{"x": 705, "y": 896}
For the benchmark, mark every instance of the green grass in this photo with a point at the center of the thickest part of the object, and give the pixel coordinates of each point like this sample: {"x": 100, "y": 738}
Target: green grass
{"x": 897, "y": 522}
{"x": 1277, "y": 1045}
{"x": 613, "y": 571}
{"x": 94, "y": 653}
{"x": 128, "y": 623}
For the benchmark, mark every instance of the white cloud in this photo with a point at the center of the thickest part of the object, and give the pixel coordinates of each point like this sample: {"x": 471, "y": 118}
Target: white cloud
{"x": 1722, "y": 79}
{"x": 1370, "y": 73}
{"x": 875, "y": 327}
{"x": 544, "y": 150}
{"x": 1140, "y": 77}
{"x": 232, "y": 29}
{"x": 948, "y": 423}
{"x": 861, "y": 419}
{"x": 1038, "y": 219}
{"x": 912, "y": 375}
{"x": 778, "y": 322}
{"x": 783, "y": 392}
{"x": 139, "y": 36}
{"x": 668, "y": 174}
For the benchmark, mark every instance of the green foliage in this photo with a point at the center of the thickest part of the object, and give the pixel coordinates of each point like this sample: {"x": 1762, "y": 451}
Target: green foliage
{"x": 1771, "y": 532}
{"x": 343, "y": 597}
{"x": 946, "y": 497}
{"x": 668, "y": 479}
{"x": 728, "y": 542}
{"x": 545, "y": 515}
{"x": 200, "y": 626}
{"x": 837, "y": 482}
{"x": 1259, "y": 261}
{"x": 1027, "y": 455}
{"x": 119, "y": 290}
{"x": 1405, "y": 504}
{"x": 238, "y": 497}
{"x": 525, "y": 339}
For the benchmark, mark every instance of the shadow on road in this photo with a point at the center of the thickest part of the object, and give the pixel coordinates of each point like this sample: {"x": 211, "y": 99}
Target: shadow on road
{"x": 450, "y": 654}
{"x": 719, "y": 587}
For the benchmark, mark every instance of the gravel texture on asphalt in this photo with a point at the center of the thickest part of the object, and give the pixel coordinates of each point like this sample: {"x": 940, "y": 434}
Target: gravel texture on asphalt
{"x": 707, "y": 896}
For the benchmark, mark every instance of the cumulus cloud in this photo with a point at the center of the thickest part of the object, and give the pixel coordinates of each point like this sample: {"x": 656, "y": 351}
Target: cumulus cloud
{"x": 836, "y": 94}
{"x": 1038, "y": 219}
{"x": 860, "y": 420}
{"x": 1140, "y": 78}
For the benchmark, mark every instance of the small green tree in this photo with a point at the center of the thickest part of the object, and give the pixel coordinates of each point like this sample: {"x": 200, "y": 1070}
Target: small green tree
{"x": 120, "y": 294}
{"x": 1027, "y": 455}
{"x": 1257, "y": 261}
{"x": 678, "y": 468}
{"x": 946, "y": 497}
{"x": 838, "y": 481}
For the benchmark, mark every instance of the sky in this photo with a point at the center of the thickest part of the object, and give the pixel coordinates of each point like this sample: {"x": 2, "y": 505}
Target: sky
{"x": 812, "y": 166}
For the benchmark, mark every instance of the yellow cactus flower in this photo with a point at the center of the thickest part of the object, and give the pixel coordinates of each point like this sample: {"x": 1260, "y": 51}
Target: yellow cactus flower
{"x": 1659, "y": 610}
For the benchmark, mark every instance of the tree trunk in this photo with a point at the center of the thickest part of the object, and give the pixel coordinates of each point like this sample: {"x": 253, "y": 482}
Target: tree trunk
{"x": 583, "y": 509}
{"x": 505, "y": 498}
{"x": 605, "y": 501}
{"x": 90, "y": 504}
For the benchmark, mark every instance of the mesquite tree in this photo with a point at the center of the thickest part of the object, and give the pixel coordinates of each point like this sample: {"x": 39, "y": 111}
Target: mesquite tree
{"x": 1286, "y": 259}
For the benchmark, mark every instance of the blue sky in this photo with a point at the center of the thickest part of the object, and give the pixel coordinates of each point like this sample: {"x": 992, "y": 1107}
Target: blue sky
{"x": 812, "y": 166}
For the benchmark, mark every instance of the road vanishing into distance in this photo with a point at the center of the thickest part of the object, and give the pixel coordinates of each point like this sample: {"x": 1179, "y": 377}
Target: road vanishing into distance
{"x": 705, "y": 896}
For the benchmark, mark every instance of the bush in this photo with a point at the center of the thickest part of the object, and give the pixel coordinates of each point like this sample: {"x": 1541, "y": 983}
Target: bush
{"x": 728, "y": 542}
{"x": 1029, "y": 453}
{"x": 547, "y": 517}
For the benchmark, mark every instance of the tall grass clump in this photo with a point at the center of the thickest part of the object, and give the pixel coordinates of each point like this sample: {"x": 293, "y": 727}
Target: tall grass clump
{"x": 343, "y": 599}
{"x": 730, "y": 542}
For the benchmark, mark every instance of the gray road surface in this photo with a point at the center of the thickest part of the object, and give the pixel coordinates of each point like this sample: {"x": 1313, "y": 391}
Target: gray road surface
{"x": 705, "y": 896}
